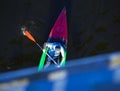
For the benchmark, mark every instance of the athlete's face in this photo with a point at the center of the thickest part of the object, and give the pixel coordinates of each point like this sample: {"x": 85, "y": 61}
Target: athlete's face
{"x": 57, "y": 50}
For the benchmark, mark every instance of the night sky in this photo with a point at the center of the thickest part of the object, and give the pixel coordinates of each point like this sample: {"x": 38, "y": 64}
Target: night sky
{"x": 93, "y": 28}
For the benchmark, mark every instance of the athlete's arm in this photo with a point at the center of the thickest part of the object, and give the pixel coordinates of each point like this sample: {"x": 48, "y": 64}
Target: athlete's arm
{"x": 63, "y": 53}
{"x": 49, "y": 45}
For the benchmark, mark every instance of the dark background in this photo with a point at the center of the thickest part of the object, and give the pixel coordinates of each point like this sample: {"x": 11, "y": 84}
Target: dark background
{"x": 93, "y": 28}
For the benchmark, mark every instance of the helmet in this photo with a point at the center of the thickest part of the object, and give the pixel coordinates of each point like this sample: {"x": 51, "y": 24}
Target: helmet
{"x": 57, "y": 47}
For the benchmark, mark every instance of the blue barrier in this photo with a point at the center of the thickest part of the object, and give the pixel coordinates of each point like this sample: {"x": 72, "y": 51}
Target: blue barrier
{"x": 101, "y": 72}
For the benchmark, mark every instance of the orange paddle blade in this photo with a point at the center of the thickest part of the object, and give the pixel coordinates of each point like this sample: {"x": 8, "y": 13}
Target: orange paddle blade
{"x": 27, "y": 33}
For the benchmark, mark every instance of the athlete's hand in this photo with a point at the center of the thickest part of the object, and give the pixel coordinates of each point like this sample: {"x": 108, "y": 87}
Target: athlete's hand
{"x": 58, "y": 66}
{"x": 44, "y": 45}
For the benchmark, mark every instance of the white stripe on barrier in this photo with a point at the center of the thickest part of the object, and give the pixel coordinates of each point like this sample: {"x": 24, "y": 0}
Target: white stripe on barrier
{"x": 59, "y": 79}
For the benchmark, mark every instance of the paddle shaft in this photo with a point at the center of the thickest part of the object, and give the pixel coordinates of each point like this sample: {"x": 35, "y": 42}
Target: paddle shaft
{"x": 46, "y": 53}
